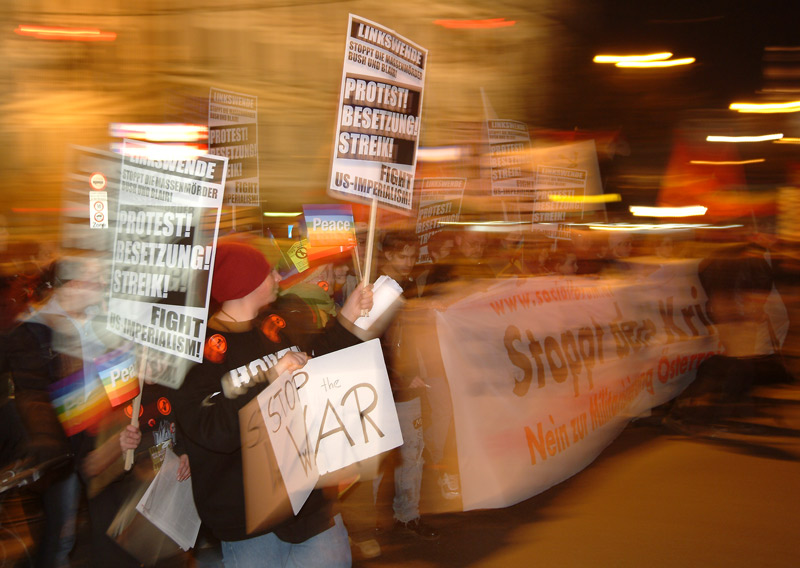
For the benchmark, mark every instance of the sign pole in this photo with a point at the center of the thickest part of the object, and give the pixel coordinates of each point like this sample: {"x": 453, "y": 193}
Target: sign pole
{"x": 357, "y": 262}
{"x": 373, "y": 215}
{"x": 137, "y": 403}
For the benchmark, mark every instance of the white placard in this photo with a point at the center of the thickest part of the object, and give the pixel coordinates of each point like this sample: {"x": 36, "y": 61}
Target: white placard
{"x": 351, "y": 413}
{"x": 378, "y": 125}
{"x": 283, "y": 414}
{"x": 328, "y": 415}
{"x": 163, "y": 255}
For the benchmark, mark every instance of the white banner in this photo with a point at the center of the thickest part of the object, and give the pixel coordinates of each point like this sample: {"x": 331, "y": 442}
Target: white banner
{"x": 545, "y": 372}
{"x": 163, "y": 254}
{"x": 330, "y": 414}
{"x": 380, "y": 103}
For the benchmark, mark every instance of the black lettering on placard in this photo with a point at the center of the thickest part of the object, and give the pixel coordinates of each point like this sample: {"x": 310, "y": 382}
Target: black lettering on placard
{"x": 364, "y": 414}
{"x": 303, "y": 455}
{"x": 325, "y": 434}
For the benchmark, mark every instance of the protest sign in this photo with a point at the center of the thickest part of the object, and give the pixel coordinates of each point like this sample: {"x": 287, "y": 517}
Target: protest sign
{"x": 564, "y": 175}
{"x": 351, "y": 412}
{"x": 117, "y": 369}
{"x": 546, "y": 372}
{"x": 325, "y": 417}
{"x": 378, "y": 124}
{"x": 330, "y": 225}
{"x": 166, "y": 231}
{"x": 439, "y": 201}
{"x": 233, "y": 133}
{"x": 283, "y": 413}
{"x": 509, "y": 157}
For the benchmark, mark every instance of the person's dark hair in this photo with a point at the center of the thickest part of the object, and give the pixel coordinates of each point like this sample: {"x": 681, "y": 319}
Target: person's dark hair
{"x": 398, "y": 240}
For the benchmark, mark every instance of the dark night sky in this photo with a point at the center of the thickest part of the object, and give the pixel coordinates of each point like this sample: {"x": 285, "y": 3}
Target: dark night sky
{"x": 647, "y": 107}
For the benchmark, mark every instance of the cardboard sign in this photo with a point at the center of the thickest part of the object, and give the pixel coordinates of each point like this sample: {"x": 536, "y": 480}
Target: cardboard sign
{"x": 564, "y": 175}
{"x": 283, "y": 415}
{"x": 349, "y": 420}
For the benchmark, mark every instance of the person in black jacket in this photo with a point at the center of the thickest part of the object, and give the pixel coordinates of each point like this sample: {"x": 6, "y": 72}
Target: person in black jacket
{"x": 246, "y": 348}
{"x": 60, "y": 338}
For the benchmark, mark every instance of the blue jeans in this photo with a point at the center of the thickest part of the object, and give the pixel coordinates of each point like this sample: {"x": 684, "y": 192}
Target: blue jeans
{"x": 330, "y": 548}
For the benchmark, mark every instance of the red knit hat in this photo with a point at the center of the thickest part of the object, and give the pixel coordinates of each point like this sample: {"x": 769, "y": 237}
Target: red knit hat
{"x": 239, "y": 269}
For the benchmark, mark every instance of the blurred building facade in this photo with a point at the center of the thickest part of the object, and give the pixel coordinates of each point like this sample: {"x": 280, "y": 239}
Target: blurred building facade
{"x": 166, "y": 57}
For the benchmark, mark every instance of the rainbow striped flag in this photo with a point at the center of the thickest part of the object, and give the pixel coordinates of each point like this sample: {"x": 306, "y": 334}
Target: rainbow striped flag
{"x": 330, "y": 226}
{"x": 76, "y": 408}
{"x": 119, "y": 374}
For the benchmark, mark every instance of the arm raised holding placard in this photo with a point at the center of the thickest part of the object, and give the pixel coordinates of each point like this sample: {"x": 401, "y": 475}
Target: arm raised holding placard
{"x": 249, "y": 343}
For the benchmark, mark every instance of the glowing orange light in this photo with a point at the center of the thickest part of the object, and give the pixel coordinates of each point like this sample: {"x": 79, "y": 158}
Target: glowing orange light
{"x": 65, "y": 34}
{"x": 763, "y": 138}
{"x": 159, "y": 132}
{"x": 726, "y": 163}
{"x": 766, "y": 108}
{"x": 643, "y": 57}
{"x": 475, "y": 24}
{"x": 655, "y": 64}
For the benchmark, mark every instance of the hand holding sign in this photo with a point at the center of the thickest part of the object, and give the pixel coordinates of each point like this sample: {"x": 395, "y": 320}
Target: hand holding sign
{"x": 358, "y": 302}
{"x": 290, "y": 362}
{"x": 130, "y": 438}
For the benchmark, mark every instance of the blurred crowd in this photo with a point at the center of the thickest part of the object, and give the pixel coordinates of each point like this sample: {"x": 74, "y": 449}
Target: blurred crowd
{"x": 53, "y": 326}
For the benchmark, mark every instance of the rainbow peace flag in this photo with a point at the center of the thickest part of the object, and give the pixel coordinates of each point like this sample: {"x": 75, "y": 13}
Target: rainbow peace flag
{"x": 119, "y": 374}
{"x": 330, "y": 226}
{"x": 76, "y": 408}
